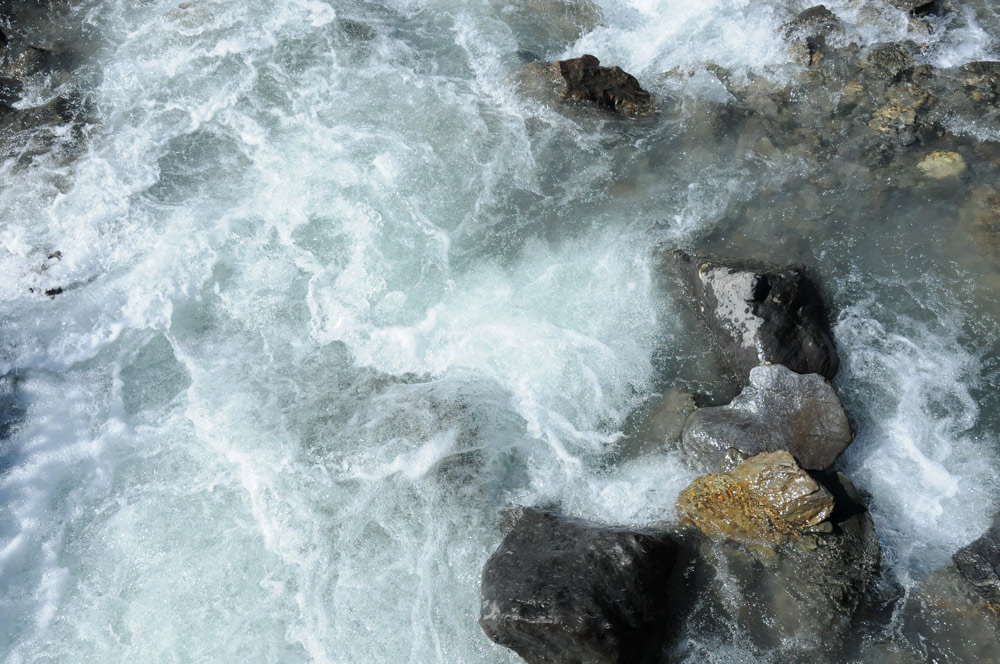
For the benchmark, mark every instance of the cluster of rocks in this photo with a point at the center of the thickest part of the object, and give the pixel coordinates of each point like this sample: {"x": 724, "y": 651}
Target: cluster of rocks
{"x": 770, "y": 523}
{"x": 879, "y": 110}
{"x": 772, "y": 520}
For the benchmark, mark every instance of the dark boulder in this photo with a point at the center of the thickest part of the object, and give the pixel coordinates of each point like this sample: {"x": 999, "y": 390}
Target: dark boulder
{"x": 979, "y": 565}
{"x": 608, "y": 87}
{"x": 762, "y": 314}
{"x": 561, "y": 590}
{"x": 816, "y": 20}
{"x": 917, "y": 7}
{"x": 778, "y": 410}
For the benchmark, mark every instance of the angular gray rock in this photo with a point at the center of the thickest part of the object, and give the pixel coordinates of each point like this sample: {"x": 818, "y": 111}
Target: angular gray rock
{"x": 762, "y": 314}
{"x": 778, "y": 410}
{"x": 561, "y": 591}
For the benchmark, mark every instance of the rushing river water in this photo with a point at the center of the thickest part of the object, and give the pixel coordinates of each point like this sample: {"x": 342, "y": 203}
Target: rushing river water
{"x": 337, "y": 292}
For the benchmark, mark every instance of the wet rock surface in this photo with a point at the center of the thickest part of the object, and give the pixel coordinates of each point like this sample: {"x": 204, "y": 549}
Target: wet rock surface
{"x": 800, "y": 594}
{"x": 30, "y": 131}
{"x": 584, "y": 79}
{"x": 561, "y": 590}
{"x": 608, "y": 87}
{"x": 766, "y": 499}
{"x": 979, "y": 565}
{"x": 807, "y": 34}
{"x": 762, "y": 314}
{"x": 778, "y": 410}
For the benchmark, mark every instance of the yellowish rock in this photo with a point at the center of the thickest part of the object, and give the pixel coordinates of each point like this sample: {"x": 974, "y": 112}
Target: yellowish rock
{"x": 940, "y": 165}
{"x": 765, "y": 500}
{"x": 894, "y": 118}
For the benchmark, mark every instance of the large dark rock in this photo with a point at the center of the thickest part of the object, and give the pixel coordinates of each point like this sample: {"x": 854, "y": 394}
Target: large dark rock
{"x": 979, "y": 564}
{"x": 762, "y": 314}
{"x": 917, "y": 7}
{"x": 778, "y": 410}
{"x": 608, "y": 87}
{"x": 561, "y": 591}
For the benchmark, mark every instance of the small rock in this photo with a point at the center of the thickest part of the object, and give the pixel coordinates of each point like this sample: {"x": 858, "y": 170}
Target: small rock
{"x": 807, "y": 34}
{"x": 666, "y": 422}
{"x": 778, "y": 410}
{"x": 765, "y": 500}
{"x": 562, "y": 591}
{"x": 915, "y": 7}
{"x": 887, "y": 61}
{"x": 894, "y": 119}
{"x": 762, "y": 314}
{"x": 940, "y": 165}
{"x": 981, "y": 80}
{"x": 608, "y": 87}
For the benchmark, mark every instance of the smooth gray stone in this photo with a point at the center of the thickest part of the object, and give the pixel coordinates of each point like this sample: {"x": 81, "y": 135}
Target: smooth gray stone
{"x": 778, "y": 410}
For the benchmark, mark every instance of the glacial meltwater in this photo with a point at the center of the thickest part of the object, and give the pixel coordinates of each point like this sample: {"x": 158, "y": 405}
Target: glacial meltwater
{"x": 309, "y": 293}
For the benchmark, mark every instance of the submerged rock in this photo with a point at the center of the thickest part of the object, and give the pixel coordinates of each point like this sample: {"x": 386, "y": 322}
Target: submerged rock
{"x": 778, "y": 410}
{"x": 766, "y": 500}
{"x": 762, "y": 314}
{"x": 807, "y": 33}
{"x": 548, "y": 25}
{"x": 940, "y": 165}
{"x": 979, "y": 565}
{"x": 888, "y": 60}
{"x": 666, "y": 423}
{"x": 562, "y": 590}
{"x": 980, "y": 215}
{"x": 943, "y": 620}
{"x": 981, "y": 80}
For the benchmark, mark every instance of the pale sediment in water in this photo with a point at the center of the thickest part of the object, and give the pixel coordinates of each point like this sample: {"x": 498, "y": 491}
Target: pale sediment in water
{"x": 335, "y": 292}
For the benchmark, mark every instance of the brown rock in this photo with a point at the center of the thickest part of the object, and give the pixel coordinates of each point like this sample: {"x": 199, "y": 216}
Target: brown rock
{"x": 765, "y": 500}
{"x": 608, "y": 87}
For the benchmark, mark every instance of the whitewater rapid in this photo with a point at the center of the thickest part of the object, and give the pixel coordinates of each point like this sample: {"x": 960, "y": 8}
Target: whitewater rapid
{"x": 337, "y": 293}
